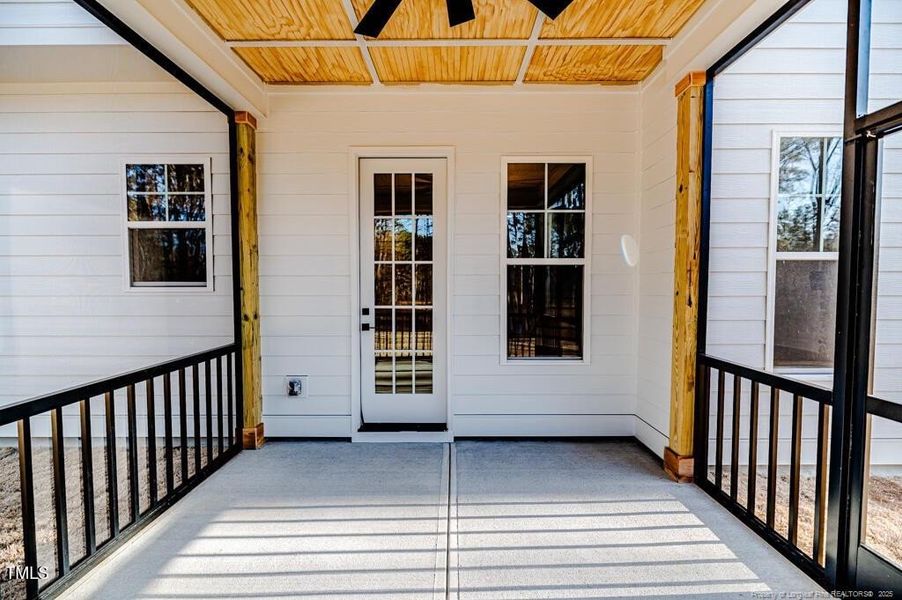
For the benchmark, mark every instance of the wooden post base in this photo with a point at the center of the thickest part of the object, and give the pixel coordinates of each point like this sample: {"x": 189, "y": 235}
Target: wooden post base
{"x": 252, "y": 437}
{"x": 679, "y": 468}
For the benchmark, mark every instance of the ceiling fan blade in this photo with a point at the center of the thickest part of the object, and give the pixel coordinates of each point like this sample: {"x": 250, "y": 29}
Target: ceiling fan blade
{"x": 551, "y": 8}
{"x": 460, "y": 11}
{"x": 376, "y": 18}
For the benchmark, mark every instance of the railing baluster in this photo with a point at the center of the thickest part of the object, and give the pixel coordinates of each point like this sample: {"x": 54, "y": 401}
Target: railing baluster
{"x": 132, "y": 453}
{"x": 219, "y": 403}
{"x": 87, "y": 476}
{"x": 57, "y": 441}
{"x": 151, "y": 443}
{"x": 183, "y": 426}
{"x": 718, "y": 449}
{"x": 794, "y": 468}
{"x": 209, "y": 404}
{"x": 734, "y": 437}
{"x": 195, "y": 392}
{"x": 773, "y": 441}
{"x": 703, "y": 417}
{"x": 167, "y": 426}
{"x": 230, "y": 400}
{"x": 26, "y": 488}
{"x": 820, "y": 486}
{"x": 112, "y": 475}
{"x": 753, "y": 449}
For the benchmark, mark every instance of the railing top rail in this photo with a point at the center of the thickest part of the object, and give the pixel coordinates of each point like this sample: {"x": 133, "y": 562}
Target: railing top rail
{"x": 40, "y": 404}
{"x": 793, "y": 386}
{"x": 884, "y": 409}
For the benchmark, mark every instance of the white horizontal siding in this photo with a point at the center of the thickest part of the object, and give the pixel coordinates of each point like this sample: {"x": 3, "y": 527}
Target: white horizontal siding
{"x": 792, "y": 83}
{"x": 38, "y": 22}
{"x": 305, "y": 248}
{"x": 65, "y": 315}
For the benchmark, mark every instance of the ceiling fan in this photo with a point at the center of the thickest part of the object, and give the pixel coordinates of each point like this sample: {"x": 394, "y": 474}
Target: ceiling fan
{"x": 459, "y": 11}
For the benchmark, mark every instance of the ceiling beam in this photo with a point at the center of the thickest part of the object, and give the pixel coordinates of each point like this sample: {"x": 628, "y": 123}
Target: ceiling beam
{"x": 530, "y": 48}
{"x": 432, "y": 43}
{"x": 358, "y": 41}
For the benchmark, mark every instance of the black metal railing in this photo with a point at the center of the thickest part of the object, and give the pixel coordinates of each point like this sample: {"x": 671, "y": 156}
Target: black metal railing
{"x": 129, "y": 491}
{"x": 777, "y": 502}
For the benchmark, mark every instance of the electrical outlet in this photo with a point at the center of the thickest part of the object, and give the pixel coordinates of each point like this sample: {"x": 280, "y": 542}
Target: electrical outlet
{"x": 296, "y": 386}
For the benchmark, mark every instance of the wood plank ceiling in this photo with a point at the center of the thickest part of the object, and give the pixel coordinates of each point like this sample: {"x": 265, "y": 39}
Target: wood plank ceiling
{"x": 613, "y": 42}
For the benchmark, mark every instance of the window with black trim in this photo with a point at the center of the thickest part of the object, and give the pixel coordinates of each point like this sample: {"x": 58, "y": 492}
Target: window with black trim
{"x": 545, "y": 265}
{"x": 807, "y": 242}
{"x": 168, "y": 224}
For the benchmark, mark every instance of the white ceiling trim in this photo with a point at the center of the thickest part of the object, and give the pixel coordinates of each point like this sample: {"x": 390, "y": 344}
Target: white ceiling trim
{"x": 360, "y": 42}
{"x": 530, "y": 48}
{"x": 432, "y": 43}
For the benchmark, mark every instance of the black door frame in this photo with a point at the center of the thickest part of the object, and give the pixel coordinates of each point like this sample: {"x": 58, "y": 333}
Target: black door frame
{"x": 848, "y": 564}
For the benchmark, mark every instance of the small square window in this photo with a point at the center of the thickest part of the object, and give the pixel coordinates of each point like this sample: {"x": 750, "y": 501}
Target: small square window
{"x": 168, "y": 225}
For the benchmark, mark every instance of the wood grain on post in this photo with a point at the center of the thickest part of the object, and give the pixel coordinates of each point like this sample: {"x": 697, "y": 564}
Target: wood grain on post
{"x": 690, "y": 123}
{"x": 252, "y": 427}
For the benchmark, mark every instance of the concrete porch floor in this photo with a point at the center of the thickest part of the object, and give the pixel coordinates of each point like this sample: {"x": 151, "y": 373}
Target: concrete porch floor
{"x": 470, "y": 520}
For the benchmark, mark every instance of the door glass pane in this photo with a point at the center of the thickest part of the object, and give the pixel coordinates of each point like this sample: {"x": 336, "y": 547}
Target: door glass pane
{"x": 424, "y": 329}
{"x": 423, "y": 374}
{"x": 403, "y": 329}
{"x": 423, "y": 194}
{"x": 424, "y": 285}
{"x": 384, "y": 373}
{"x": 383, "y": 240}
{"x": 403, "y": 278}
{"x": 403, "y": 285}
{"x": 403, "y": 194}
{"x": 383, "y": 276}
{"x": 382, "y": 205}
{"x": 424, "y": 239}
{"x": 403, "y": 238}
{"x": 404, "y": 373}
{"x": 526, "y": 186}
{"x": 544, "y": 311}
{"x": 382, "y": 327}
{"x": 804, "y": 313}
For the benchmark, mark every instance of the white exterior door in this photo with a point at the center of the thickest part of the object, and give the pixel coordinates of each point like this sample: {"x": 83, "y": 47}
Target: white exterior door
{"x": 403, "y": 289}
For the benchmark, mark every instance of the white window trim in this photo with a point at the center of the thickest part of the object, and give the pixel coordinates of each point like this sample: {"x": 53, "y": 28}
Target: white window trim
{"x": 772, "y": 254}
{"x": 206, "y": 224}
{"x": 586, "y": 261}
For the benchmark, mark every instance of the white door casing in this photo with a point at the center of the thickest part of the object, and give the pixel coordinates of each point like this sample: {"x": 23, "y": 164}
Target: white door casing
{"x": 403, "y": 290}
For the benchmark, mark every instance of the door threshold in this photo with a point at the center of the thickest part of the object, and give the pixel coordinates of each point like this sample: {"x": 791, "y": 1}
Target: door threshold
{"x": 444, "y": 436}
{"x": 402, "y": 427}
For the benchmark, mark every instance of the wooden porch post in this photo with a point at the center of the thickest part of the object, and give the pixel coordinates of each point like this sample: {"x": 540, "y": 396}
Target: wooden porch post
{"x": 689, "y": 91}
{"x": 252, "y": 427}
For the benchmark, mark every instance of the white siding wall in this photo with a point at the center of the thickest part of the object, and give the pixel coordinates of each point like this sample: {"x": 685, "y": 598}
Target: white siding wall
{"x": 792, "y": 83}
{"x": 305, "y": 262}
{"x": 50, "y": 22}
{"x": 65, "y": 315}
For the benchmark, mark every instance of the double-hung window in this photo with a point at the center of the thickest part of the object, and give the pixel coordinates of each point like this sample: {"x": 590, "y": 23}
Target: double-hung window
{"x": 168, "y": 224}
{"x": 805, "y": 251}
{"x": 545, "y": 266}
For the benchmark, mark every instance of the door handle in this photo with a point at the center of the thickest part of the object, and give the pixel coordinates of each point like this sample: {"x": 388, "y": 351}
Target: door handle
{"x": 364, "y": 327}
